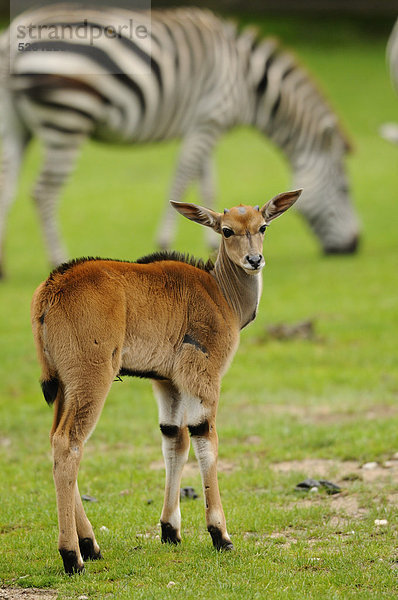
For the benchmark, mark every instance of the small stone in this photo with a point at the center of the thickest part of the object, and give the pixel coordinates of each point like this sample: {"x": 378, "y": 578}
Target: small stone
{"x": 307, "y": 484}
{"x": 381, "y": 522}
{"x": 388, "y": 464}
{"x": 88, "y": 498}
{"x": 171, "y": 584}
{"x": 352, "y": 477}
{"x": 369, "y": 466}
{"x": 314, "y": 489}
{"x": 103, "y": 528}
{"x": 188, "y": 492}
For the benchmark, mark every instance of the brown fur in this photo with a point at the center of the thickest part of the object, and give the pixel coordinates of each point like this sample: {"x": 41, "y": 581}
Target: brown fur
{"x": 94, "y": 318}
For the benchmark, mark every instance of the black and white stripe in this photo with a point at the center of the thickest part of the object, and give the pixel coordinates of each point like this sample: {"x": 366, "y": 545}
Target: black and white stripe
{"x": 193, "y": 77}
{"x": 389, "y": 131}
{"x": 392, "y": 55}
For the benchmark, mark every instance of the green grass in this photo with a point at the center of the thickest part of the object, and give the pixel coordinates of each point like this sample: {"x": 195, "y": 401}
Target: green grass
{"x": 329, "y": 403}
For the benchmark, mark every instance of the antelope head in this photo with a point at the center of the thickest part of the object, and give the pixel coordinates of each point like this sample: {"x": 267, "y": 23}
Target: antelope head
{"x": 242, "y": 227}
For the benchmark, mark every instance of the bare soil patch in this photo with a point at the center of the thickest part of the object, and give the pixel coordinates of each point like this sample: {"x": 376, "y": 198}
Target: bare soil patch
{"x": 327, "y": 414}
{"x": 192, "y": 468}
{"x": 27, "y": 594}
{"x": 341, "y": 470}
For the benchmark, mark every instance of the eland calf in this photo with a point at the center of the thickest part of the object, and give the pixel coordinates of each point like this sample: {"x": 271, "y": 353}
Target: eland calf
{"x": 167, "y": 318}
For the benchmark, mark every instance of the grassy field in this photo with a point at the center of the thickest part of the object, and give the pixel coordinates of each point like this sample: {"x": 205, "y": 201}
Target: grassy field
{"x": 319, "y": 407}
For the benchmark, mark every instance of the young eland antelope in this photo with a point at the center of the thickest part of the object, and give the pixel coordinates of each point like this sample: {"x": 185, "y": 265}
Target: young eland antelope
{"x": 167, "y": 318}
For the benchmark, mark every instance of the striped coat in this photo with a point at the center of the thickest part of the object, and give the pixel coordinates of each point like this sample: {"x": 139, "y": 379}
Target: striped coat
{"x": 80, "y": 73}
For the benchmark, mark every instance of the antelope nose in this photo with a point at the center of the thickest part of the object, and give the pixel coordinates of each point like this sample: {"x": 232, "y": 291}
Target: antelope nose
{"x": 254, "y": 260}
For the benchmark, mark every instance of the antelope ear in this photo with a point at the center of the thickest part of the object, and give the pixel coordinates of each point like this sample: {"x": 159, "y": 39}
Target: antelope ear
{"x": 199, "y": 214}
{"x": 275, "y": 207}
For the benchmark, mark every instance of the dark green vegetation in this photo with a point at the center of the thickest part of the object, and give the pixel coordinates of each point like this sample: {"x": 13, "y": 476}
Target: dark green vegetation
{"x": 290, "y": 409}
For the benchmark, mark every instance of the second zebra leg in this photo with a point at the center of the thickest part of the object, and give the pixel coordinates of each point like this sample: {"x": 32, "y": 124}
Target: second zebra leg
{"x": 205, "y": 442}
{"x": 175, "y": 448}
{"x": 194, "y": 163}
{"x": 58, "y": 163}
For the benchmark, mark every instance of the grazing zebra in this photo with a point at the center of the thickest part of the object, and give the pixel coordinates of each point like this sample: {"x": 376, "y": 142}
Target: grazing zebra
{"x": 392, "y": 54}
{"x": 193, "y": 76}
{"x": 390, "y": 130}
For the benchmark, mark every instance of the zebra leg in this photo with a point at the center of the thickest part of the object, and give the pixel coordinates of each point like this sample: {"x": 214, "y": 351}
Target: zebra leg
{"x": 207, "y": 192}
{"x": 58, "y": 163}
{"x": 194, "y": 156}
{"x": 175, "y": 447}
{"x": 13, "y": 149}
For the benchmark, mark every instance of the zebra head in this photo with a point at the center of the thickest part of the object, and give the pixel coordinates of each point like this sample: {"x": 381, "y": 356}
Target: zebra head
{"x": 326, "y": 202}
{"x": 288, "y": 107}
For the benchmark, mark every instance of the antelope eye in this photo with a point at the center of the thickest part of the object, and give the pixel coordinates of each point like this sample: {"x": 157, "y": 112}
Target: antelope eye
{"x": 227, "y": 232}
{"x": 263, "y": 228}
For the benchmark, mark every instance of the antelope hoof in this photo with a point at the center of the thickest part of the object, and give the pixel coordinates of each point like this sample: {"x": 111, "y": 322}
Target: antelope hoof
{"x": 219, "y": 542}
{"x": 169, "y": 534}
{"x": 71, "y": 563}
{"x": 87, "y": 550}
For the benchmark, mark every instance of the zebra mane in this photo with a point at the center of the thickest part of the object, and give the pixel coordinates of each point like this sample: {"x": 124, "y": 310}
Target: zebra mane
{"x": 262, "y": 51}
{"x": 144, "y": 260}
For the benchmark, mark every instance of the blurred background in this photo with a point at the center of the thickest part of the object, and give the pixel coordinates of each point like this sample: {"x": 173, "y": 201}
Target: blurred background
{"x": 385, "y": 7}
{"x": 316, "y": 375}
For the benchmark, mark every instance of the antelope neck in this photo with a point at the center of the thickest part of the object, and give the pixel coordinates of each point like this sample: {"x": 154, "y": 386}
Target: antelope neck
{"x": 242, "y": 291}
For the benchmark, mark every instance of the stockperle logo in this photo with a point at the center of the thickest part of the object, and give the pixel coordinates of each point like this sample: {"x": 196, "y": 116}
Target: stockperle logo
{"x": 84, "y": 31}
{"x": 94, "y": 38}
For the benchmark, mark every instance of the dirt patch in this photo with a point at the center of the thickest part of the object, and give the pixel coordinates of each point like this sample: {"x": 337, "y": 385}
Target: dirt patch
{"x": 327, "y": 414}
{"x": 341, "y": 470}
{"x": 27, "y": 594}
{"x": 318, "y": 468}
{"x": 192, "y": 468}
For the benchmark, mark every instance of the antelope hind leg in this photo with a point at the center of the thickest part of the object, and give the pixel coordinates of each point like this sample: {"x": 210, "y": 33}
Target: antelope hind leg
{"x": 88, "y": 545}
{"x": 80, "y": 414}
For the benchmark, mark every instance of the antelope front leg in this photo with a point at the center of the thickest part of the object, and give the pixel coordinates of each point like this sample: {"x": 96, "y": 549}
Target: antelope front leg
{"x": 175, "y": 448}
{"x": 205, "y": 443}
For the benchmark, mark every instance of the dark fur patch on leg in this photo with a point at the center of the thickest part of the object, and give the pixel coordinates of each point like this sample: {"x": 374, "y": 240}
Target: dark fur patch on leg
{"x": 201, "y": 429}
{"x": 219, "y": 542}
{"x": 169, "y": 430}
{"x": 169, "y": 534}
{"x": 50, "y": 389}
{"x": 87, "y": 549}
{"x": 71, "y": 565}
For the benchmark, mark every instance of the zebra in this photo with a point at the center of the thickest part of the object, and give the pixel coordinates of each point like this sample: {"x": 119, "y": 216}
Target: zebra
{"x": 193, "y": 77}
{"x": 392, "y": 55}
{"x": 389, "y": 131}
